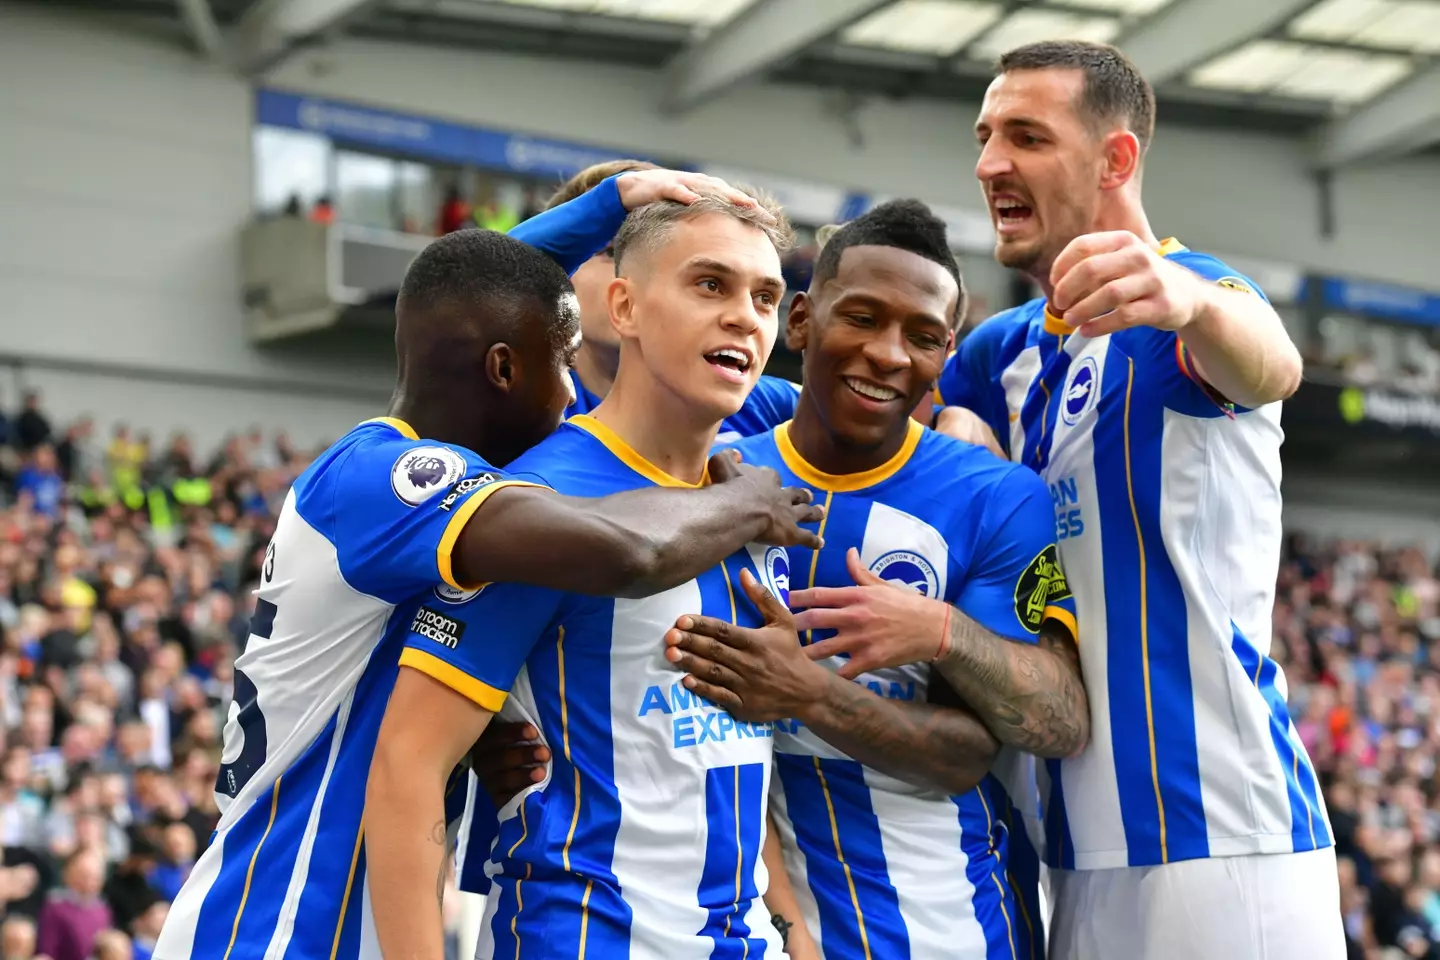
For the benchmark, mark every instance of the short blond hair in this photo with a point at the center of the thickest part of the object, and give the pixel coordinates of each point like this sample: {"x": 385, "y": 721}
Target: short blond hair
{"x": 647, "y": 226}
{"x": 592, "y": 176}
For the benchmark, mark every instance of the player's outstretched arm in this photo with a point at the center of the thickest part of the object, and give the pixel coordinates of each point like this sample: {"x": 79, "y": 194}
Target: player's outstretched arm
{"x": 427, "y": 730}
{"x": 763, "y": 674}
{"x": 1030, "y": 695}
{"x": 631, "y": 544}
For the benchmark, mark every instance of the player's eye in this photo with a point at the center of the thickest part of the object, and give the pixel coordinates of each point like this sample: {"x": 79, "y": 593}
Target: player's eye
{"x": 765, "y": 299}
{"x": 1027, "y": 139}
{"x": 710, "y": 285}
{"x": 861, "y": 319}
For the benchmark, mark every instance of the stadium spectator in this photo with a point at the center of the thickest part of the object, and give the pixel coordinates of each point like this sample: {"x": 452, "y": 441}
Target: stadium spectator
{"x": 40, "y": 480}
{"x": 75, "y": 914}
{"x": 323, "y": 212}
{"x": 32, "y": 427}
{"x": 76, "y": 451}
{"x": 454, "y": 212}
{"x": 17, "y": 938}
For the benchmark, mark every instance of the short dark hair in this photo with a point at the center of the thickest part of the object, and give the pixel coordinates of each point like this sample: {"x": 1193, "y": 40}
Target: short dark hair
{"x": 477, "y": 271}
{"x": 1115, "y": 90}
{"x": 592, "y": 176}
{"x": 907, "y": 225}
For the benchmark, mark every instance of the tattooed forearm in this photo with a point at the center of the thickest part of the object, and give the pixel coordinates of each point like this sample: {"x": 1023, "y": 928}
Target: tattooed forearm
{"x": 943, "y": 748}
{"x": 1031, "y": 696}
{"x": 782, "y": 927}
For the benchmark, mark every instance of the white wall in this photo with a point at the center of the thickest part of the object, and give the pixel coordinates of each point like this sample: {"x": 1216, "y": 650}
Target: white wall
{"x": 1339, "y": 507}
{"x": 1234, "y": 192}
{"x": 124, "y": 178}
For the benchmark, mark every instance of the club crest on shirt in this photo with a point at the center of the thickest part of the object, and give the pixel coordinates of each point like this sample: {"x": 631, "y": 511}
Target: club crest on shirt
{"x": 1043, "y": 583}
{"x": 909, "y": 570}
{"x": 1235, "y": 283}
{"x": 1081, "y": 389}
{"x": 423, "y": 472}
{"x": 777, "y": 573}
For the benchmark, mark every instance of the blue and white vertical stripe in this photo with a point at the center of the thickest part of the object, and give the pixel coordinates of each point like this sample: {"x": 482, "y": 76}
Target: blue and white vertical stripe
{"x": 1171, "y": 520}
{"x": 894, "y": 873}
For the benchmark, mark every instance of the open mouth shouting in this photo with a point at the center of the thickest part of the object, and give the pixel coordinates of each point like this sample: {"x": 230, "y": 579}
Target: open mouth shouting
{"x": 1011, "y": 213}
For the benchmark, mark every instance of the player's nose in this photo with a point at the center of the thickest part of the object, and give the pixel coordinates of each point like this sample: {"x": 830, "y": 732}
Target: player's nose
{"x": 740, "y": 316}
{"x": 886, "y": 350}
{"x": 993, "y": 161}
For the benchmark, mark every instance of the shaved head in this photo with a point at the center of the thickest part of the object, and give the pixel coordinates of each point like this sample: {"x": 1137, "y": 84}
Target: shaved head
{"x": 485, "y": 327}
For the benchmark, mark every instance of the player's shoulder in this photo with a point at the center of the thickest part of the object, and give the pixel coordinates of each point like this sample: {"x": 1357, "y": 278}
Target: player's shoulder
{"x": 967, "y": 465}
{"x": 968, "y": 482}
{"x": 1210, "y": 267}
{"x": 556, "y": 458}
{"x": 387, "y": 452}
{"x": 996, "y": 327}
{"x": 776, "y": 387}
{"x": 760, "y": 448}
{"x": 573, "y": 460}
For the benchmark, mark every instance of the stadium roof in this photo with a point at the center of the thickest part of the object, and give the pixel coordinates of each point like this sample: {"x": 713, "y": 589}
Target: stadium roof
{"x": 1362, "y": 75}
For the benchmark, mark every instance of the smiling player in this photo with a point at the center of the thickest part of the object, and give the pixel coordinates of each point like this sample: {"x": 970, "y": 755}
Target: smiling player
{"x": 644, "y": 842}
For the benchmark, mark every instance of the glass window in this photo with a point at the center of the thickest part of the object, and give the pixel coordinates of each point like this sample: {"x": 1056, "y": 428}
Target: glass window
{"x": 289, "y": 164}
{"x": 365, "y": 188}
{"x": 417, "y": 196}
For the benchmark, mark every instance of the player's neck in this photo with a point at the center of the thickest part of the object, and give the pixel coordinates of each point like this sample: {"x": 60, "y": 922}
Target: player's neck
{"x": 437, "y": 416}
{"x": 828, "y": 453}
{"x": 657, "y": 424}
{"x": 1124, "y": 214}
{"x": 596, "y": 366}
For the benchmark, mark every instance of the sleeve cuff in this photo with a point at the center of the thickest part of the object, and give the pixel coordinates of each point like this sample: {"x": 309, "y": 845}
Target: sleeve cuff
{"x": 462, "y": 516}
{"x": 482, "y": 694}
{"x": 609, "y": 193}
{"x": 1061, "y": 615}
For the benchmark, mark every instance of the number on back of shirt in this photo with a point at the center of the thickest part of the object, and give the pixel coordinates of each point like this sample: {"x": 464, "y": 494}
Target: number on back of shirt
{"x": 248, "y": 721}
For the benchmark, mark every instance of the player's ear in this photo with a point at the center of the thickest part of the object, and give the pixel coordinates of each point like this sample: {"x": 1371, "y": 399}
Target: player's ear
{"x": 1122, "y": 159}
{"x": 797, "y": 324}
{"x": 620, "y": 298}
{"x": 500, "y": 367}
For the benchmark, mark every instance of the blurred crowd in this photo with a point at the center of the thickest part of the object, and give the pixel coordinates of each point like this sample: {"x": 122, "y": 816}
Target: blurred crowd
{"x": 1357, "y": 629}
{"x": 126, "y": 571}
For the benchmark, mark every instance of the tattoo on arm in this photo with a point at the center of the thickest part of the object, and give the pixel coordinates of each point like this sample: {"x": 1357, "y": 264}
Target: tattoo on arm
{"x": 782, "y": 926}
{"x": 1031, "y": 696}
{"x": 939, "y": 745}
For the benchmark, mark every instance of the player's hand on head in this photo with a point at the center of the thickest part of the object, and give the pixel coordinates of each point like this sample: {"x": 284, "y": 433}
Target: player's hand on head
{"x": 785, "y": 507}
{"x": 1104, "y": 282}
{"x": 759, "y": 674}
{"x": 877, "y": 623}
{"x": 507, "y": 759}
{"x": 966, "y": 426}
{"x": 650, "y": 186}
